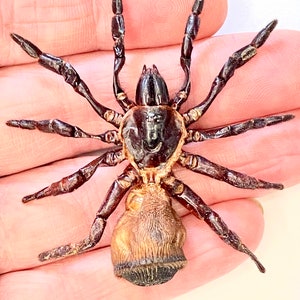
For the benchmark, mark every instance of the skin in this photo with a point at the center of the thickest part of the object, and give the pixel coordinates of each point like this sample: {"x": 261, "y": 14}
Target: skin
{"x": 269, "y": 84}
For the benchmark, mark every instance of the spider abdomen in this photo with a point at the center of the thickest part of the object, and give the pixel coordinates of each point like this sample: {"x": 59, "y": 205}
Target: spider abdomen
{"x": 147, "y": 242}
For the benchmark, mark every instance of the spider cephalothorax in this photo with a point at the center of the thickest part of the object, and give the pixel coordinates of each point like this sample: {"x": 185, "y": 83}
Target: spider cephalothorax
{"x": 147, "y": 241}
{"x": 151, "y": 89}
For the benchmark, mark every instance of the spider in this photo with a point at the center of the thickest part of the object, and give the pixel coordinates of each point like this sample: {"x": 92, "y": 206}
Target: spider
{"x": 146, "y": 245}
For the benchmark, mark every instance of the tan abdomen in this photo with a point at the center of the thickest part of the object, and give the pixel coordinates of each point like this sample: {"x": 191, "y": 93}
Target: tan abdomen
{"x": 147, "y": 242}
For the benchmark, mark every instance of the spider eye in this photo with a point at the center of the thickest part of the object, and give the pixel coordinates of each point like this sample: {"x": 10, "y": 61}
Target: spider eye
{"x": 151, "y": 89}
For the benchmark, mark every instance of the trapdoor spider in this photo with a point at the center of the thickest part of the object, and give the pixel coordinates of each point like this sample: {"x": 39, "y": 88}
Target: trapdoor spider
{"x": 146, "y": 245}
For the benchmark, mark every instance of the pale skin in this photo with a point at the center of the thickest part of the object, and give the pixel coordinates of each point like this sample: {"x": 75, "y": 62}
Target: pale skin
{"x": 269, "y": 84}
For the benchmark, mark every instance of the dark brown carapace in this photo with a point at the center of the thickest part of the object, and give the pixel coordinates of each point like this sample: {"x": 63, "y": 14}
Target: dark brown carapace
{"x": 147, "y": 242}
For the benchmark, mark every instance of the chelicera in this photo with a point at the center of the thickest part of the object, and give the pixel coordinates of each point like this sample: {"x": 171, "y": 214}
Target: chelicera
{"x": 147, "y": 242}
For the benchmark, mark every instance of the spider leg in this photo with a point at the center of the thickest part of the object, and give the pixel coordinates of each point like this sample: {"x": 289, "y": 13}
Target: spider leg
{"x": 236, "y": 60}
{"x": 195, "y": 135}
{"x": 200, "y": 209}
{"x": 203, "y": 166}
{"x": 118, "y": 32}
{"x": 72, "y": 182}
{"x": 59, "y": 66}
{"x": 113, "y": 197}
{"x": 191, "y": 31}
{"x": 64, "y": 129}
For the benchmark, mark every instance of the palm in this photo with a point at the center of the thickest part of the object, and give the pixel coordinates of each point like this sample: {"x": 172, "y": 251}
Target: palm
{"x": 30, "y": 229}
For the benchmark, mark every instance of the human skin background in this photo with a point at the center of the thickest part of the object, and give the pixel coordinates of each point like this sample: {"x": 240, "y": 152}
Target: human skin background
{"x": 54, "y": 221}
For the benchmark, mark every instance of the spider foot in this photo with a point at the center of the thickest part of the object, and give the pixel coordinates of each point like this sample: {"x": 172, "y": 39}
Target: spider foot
{"x": 76, "y": 248}
{"x": 26, "y": 45}
{"x": 24, "y": 124}
{"x": 31, "y": 197}
{"x": 52, "y": 190}
{"x": 269, "y": 185}
{"x": 243, "y": 248}
{"x": 262, "y": 36}
{"x": 65, "y": 250}
{"x": 62, "y": 251}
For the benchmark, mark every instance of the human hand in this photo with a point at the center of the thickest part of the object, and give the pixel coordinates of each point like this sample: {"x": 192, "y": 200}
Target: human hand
{"x": 27, "y": 230}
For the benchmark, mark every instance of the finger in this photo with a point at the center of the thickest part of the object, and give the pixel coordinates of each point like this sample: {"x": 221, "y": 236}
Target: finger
{"x": 70, "y": 28}
{"x": 203, "y": 249}
{"x": 44, "y": 96}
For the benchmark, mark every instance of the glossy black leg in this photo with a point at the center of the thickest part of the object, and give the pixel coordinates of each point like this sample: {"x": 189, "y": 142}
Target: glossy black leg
{"x": 203, "y": 166}
{"x": 236, "y": 60}
{"x": 59, "y": 66}
{"x": 118, "y": 33}
{"x": 74, "y": 181}
{"x": 191, "y": 30}
{"x": 198, "y": 135}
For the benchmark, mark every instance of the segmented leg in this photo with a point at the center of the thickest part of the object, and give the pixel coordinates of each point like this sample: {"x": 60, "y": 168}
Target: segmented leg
{"x": 118, "y": 32}
{"x": 194, "y": 203}
{"x": 236, "y": 60}
{"x": 59, "y": 66}
{"x": 64, "y": 129}
{"x": 113, "y": 197}
{"x": 203, "y": 166}
{"x": 191, "y": 31}
{"x": 74, "y": 181}
{"x": 195, "y": 135}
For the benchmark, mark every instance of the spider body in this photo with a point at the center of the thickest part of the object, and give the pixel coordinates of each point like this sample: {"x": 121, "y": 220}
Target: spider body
{"x": 147, "y": 241}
